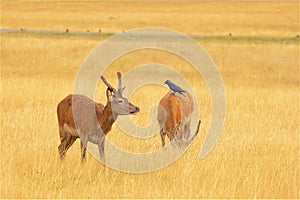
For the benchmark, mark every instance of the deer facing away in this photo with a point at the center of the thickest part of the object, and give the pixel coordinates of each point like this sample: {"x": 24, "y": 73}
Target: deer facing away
{"x": 93, "y": 120}
{"x": 174, "y": 118}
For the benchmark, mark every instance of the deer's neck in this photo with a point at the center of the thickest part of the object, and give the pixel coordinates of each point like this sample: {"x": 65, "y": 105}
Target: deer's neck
{"x": 106, "y": 118}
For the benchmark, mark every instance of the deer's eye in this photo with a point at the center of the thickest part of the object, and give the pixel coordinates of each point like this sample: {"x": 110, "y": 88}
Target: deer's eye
{"x": 120, "y": 101}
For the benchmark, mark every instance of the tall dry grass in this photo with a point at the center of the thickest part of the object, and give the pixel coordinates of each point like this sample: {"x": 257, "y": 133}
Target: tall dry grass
{"x": 257, "y": 155}
{"x": 276, "y": 18}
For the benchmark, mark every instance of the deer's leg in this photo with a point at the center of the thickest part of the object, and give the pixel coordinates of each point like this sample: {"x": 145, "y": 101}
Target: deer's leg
{"x": 187, "y": 130}
{"x": 62, "y": 148}
{"x": 83, "y": 145}
{"x": 173, "y": 139}
{"x": 70, "y": 141}
{"x": 101, "y": 148}
{"x": 66, "y": 143}
{"x": 163, "y": 136}
{"x": 170, "y": 136}
{"x": 63, "y": 142}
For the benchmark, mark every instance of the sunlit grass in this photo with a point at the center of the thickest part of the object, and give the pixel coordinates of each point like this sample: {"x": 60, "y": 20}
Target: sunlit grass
{"x": 257, "y": 155}
{"x": 268, "y": 18}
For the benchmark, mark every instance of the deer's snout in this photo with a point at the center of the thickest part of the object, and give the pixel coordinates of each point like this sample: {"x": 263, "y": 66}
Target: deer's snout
{"x": 133, "y": 109}
{"x": 137, "y": 109}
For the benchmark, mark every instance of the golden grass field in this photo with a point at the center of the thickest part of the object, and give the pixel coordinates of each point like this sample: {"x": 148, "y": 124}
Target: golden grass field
{"x": 239, "y": 18}
{"x": 257, "y": 155}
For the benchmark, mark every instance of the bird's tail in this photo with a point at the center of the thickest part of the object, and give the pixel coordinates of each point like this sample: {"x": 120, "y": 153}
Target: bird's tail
{"x": 182, "y": 93}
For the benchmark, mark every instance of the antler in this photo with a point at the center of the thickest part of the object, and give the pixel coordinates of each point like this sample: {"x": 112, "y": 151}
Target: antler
{"x": 120, "y": 90}
{"x": 108, "y": 85}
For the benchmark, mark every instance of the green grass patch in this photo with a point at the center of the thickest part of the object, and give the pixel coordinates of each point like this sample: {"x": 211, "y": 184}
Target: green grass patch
{"x": 248, "y": 39}
{"x": 199, "y": 38}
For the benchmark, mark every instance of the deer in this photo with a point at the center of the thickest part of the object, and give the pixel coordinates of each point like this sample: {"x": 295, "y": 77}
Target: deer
{"x": 83, "y": 118}
{"x": 174, "y": 118}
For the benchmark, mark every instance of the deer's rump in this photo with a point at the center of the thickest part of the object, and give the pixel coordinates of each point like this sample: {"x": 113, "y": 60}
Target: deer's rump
{"x": 174, "y": 108}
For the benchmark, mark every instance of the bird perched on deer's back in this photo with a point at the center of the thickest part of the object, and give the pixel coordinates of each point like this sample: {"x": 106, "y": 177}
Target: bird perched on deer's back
{"x": 174, "y": 87}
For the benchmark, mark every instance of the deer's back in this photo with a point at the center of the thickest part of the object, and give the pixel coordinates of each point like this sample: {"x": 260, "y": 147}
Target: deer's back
{"x": 169, "y": 112}
{"x": 80, "y": 106}
{"x": 174, "y": 108}
{"x": 187, "y": 106}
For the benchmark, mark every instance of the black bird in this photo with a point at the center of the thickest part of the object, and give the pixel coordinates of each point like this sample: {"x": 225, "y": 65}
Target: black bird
{"x": 174, "y": 87}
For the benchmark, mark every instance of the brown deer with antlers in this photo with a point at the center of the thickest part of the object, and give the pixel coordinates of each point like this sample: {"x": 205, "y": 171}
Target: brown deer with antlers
{"x": 174, "y": 118}
{"x": 81, "y": 117}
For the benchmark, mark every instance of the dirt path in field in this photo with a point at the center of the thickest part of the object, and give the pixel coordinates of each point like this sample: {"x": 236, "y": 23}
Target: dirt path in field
{"x": 229, "y": 37}
{"x": 44, "y": 31}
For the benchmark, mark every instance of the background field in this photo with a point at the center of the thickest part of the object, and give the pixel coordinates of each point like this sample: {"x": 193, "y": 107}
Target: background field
{"x": 257, "y": 155}
{"x": 239, "y": 18}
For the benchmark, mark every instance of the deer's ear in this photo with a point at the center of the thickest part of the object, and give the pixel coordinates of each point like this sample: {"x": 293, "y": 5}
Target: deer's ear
{"x": 109, "y": 94}
{"x": 176, "y": 127}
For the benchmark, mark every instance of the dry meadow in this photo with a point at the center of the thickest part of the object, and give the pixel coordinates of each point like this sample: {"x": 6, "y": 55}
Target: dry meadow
{"x": 257, "y": 155}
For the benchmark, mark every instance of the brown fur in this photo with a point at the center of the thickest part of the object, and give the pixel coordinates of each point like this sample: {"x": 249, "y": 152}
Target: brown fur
{"x": 174, "y": 117}
{"x": 92, "y": 120}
